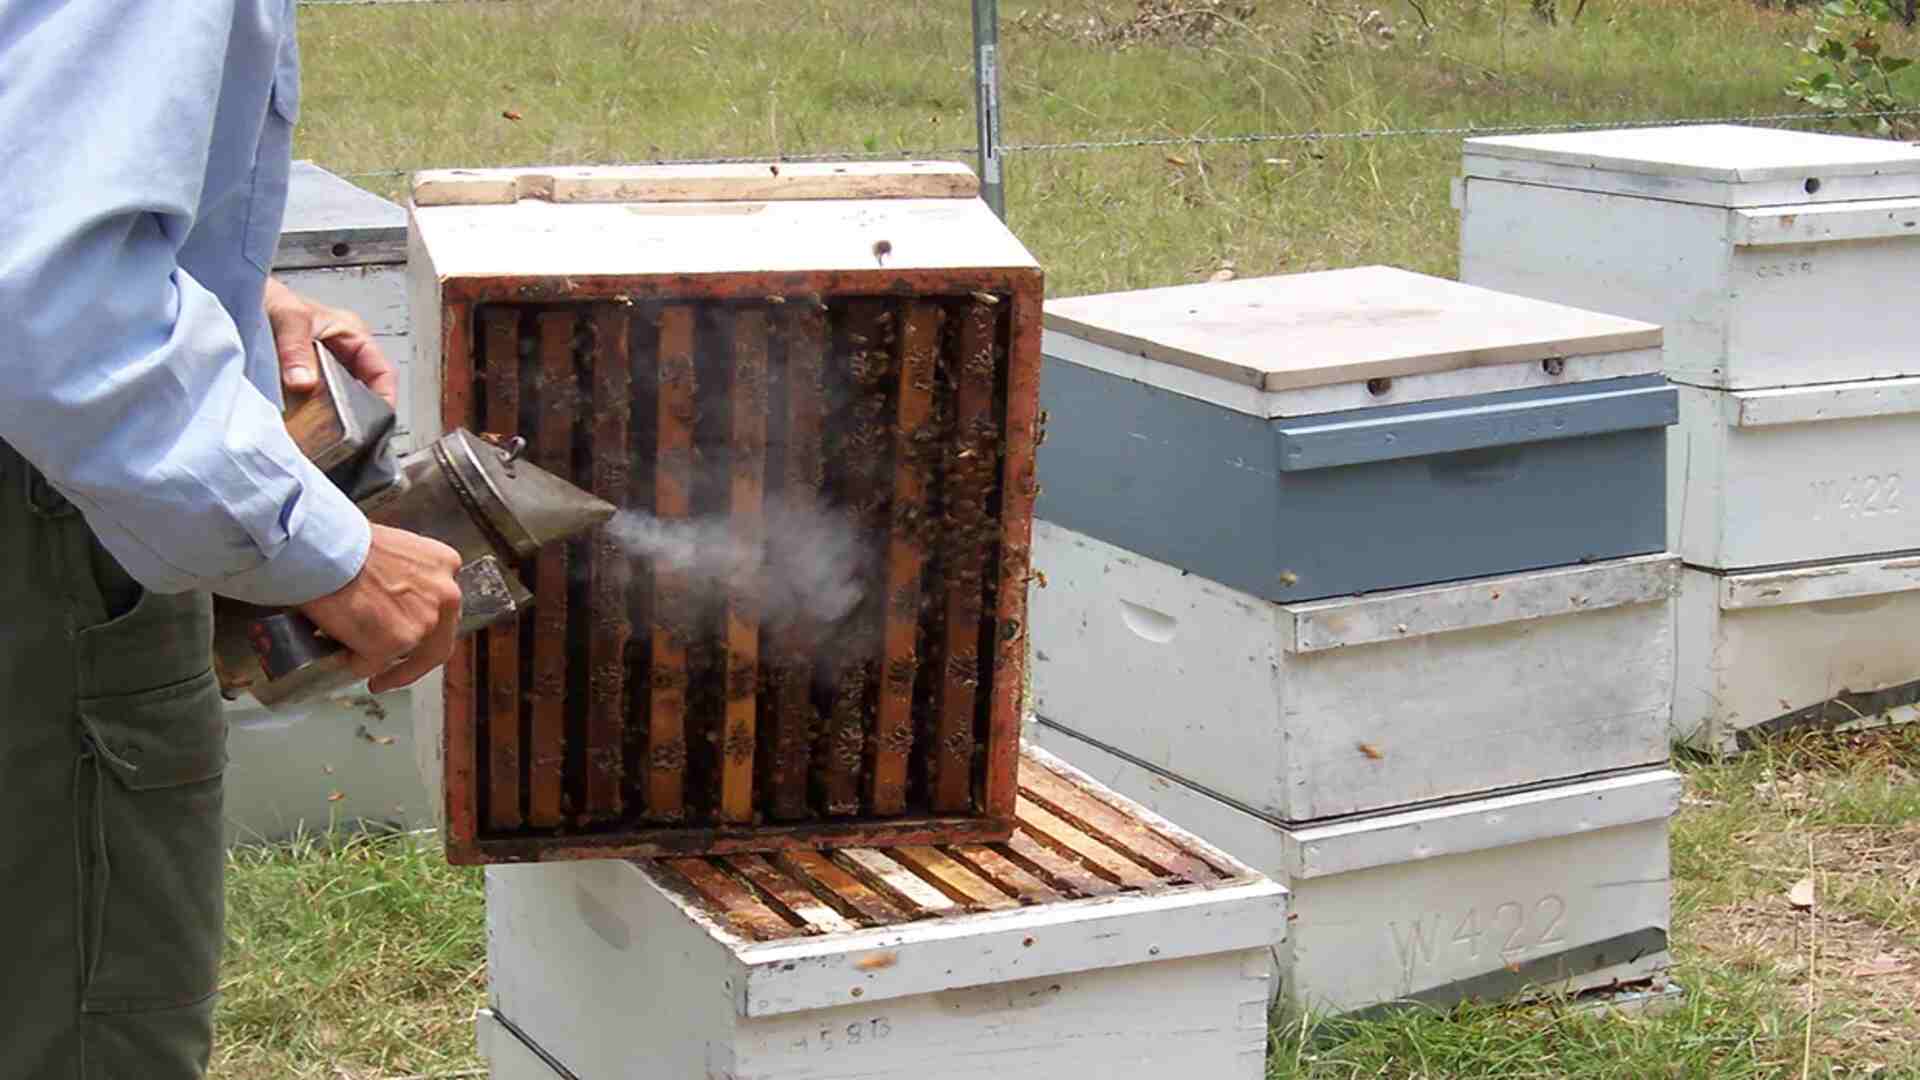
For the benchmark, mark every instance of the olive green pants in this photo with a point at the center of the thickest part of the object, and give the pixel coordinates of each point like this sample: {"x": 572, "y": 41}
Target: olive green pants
{"x": 112, "y": 745}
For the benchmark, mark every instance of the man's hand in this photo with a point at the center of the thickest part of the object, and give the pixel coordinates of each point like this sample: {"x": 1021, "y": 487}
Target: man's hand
{"x": 399, "y": 615}
{"x": 297, "y": 322}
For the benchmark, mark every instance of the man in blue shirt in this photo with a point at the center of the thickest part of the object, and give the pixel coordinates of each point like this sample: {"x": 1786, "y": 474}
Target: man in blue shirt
{"x": 143, "y": 466}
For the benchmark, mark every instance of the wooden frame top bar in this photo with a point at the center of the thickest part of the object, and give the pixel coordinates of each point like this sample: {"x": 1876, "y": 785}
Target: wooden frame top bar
{"x": 697, "y": 183}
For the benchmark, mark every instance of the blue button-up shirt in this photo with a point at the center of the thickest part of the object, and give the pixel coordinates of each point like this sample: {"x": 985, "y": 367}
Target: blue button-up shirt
{"x": 146, "y": 146}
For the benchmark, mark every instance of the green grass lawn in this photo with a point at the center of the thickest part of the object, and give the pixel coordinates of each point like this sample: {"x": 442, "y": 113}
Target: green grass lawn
{"x": 364, "y": 958}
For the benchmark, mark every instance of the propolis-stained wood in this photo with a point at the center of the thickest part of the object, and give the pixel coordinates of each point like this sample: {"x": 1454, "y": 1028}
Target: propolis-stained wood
{"x": 864, "y": 353}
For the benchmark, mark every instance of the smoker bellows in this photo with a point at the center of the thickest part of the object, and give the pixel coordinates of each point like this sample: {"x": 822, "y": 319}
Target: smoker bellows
{"x": 723, "y": 352}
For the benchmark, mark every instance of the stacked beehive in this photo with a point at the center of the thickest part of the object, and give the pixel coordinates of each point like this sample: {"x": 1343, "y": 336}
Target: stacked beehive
{"x": 1783, "y": 266}
{"x": 1361, "y": 575}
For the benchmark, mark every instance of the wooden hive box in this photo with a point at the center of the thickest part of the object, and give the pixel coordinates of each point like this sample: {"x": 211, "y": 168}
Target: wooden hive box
{"x": 1315, "y": 435}
{"x": 1557, "y": 888}
{"x": 1796, "y": 474}
{"x": 794, "y": 363}
{"x": 1805, "y": 647}
{"x": 1768, "y": 255}
{"x": 1098, "y": 941}
{"x": 1356, "y": 704}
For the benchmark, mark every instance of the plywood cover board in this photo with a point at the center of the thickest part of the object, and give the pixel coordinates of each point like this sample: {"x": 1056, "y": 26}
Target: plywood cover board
{"x": 1303, "y": 330}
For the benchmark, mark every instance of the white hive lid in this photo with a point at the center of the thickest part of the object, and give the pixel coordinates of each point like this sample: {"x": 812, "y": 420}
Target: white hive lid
{"x": 1339, "y": 326}
{"x": 1706, "y": 163}
{"x": 765, "y": 219}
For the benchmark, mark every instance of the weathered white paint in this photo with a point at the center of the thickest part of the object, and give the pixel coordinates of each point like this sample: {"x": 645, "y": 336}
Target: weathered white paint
{"x": 1714, "y": 164}
{"x": 339, "y": 762}
{"x": 1438, "y": 609}
{"x": 1347, "y": 845}
{"x": 1300, "y": 331}
{"x": 1804, "y": 303}
{"x": 1757, "y": 646}
{"x": 1325, "y": 708}
{"x": 1509, "y": 880}
{"x": 1339, "y": 397}
{"x": 535, "y": 238}
{"x": 1796, "y": 474}
{"x": 1810, "y": 584}
{"x": 615, "y": 974}
{"x": 1873, "y": 219}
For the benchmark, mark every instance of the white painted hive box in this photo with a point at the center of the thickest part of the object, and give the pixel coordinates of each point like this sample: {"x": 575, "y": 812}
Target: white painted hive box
{"x": 1560, "y": 888}
{"x": 1356, "y": 704}
{"x": 1796, "y": 474}
{"x": 1100, "y": 941}
{"x": 1769, "y": 256}
{"x": 347, "y": 761}
{"x": 1833, "y": 645}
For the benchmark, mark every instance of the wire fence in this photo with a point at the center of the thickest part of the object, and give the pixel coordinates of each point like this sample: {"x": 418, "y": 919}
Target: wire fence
{"x": 989, "y": 148}
{"x": 1139, "y": 142}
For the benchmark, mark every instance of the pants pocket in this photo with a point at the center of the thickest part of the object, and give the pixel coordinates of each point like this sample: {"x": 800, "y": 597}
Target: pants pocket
{"x": 152, "y": 850}
{"x": 159, "y": 1044}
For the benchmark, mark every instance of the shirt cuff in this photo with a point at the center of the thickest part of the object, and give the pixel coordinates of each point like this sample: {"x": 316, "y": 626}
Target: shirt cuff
{"x": 327, "y": 543}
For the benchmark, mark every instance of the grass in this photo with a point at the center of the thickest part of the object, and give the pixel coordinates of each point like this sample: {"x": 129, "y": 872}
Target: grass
{"x": 349, "y": 957}
{"x": 596, "y": 80}
{"x": 357, "y": 958}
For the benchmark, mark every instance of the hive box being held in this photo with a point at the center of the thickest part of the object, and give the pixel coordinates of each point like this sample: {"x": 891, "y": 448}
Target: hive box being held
{"x": 814, "y": 389}
{"x": 1316, "y": 435}
{"x": 1099, "y": 941}
{"x": 1769, "y": 256}
{"x": 1554, "y": 889}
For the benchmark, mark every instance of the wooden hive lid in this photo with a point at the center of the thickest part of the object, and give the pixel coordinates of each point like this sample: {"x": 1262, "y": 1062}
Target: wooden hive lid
{"x": 1339, "y": 326}
{"x": 760, "y": 219}
{"x": 885, "y": 920}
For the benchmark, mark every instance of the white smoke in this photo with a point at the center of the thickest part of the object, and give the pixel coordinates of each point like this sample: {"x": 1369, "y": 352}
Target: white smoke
{"x": 811, "y": 567}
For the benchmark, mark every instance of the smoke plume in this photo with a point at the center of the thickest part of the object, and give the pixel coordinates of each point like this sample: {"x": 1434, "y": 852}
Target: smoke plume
{"x": 812, "y": 567}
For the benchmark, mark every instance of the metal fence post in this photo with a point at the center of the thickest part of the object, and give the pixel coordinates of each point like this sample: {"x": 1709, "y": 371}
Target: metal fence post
{"x": 986, "y": 101}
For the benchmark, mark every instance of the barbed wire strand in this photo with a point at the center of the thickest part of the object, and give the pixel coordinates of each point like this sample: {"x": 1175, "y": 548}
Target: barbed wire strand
{"x": 1146, "y": 141}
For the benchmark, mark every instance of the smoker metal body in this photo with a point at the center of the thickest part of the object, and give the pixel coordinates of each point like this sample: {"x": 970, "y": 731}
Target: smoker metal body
{"x": 1146, "y": 955}
{"x": 470, "y": 494}
{"x": 1555, "y": 889}
{"x": 704, "y": 343}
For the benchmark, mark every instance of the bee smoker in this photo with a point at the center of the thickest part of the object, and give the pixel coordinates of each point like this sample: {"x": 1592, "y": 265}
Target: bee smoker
{"x": 470, "y": 492}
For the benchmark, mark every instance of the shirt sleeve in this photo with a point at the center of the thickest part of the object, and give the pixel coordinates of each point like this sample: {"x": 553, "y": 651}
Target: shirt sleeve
{"x": 125, "y": 378}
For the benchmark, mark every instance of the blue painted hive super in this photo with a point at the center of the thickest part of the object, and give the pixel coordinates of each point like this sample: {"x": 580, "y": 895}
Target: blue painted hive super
{"x": 1323, "y": 434}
